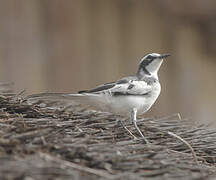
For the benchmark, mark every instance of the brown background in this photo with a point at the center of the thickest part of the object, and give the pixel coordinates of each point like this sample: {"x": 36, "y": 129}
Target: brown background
{"x": 64, "y": 46}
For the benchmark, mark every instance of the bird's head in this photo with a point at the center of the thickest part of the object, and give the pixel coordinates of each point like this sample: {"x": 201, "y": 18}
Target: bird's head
{"x": 150, "y": 64}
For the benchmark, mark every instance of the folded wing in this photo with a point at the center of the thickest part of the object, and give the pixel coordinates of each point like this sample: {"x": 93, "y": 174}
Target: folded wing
{"x": 121, "y": 87}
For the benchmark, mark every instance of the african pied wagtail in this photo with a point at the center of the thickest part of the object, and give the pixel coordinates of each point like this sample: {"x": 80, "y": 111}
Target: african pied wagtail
{"x": 128, "y": 96}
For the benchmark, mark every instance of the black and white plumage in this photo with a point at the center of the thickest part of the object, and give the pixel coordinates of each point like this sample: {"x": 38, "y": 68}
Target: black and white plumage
{"x": 128, "y": 96}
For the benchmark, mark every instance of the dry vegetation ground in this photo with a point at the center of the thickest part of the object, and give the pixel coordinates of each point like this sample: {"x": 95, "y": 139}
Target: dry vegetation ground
{"x": 47, "y": 141}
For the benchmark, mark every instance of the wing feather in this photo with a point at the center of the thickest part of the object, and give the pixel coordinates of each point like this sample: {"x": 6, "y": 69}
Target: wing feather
{"x": 131, "y": 88}
{"x": 101, "y": 88}
{"x": 124, "y": 86}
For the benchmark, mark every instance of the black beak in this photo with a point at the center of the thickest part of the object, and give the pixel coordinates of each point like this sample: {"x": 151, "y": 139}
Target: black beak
{"x": 164, "y": 56}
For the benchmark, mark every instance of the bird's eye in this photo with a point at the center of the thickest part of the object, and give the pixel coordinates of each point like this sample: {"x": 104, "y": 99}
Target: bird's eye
{"x": 150, "y": 57}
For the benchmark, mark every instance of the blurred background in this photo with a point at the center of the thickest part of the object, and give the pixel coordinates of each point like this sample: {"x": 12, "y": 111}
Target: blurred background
{"x": 65, "y": 46}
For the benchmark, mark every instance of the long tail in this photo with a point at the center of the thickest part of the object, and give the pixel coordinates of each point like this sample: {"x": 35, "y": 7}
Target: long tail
{"x": 52, "y": 96}
{"x": 93, "y": 100}
{"x": 61, "y": 96}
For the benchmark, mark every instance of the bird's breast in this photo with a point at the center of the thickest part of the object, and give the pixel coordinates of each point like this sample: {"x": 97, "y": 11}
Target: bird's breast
{"x": 124, "y": 104}
{"x": 145, "y": 102}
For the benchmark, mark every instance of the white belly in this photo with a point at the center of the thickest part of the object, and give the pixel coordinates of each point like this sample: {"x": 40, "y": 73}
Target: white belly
{"x": 123, "y": 105}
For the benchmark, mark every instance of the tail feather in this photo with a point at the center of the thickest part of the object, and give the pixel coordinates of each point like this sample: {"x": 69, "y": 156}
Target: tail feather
{"x": 51, "y": 96}
{"x": 92, "y": 100}
{"x": 60, "y": 95}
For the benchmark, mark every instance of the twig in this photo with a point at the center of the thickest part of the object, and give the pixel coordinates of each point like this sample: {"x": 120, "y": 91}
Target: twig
{"x": 170, "y": 116}
{"x": 179, "y": 116}
{"x": 78, "y": 167}
{"x": 186, "y": 143}
{"x": 2, "y": 125}
{"x": 20, "y": 93}
{"x": 31, "y": 134}
{"x": 134, "y": 137}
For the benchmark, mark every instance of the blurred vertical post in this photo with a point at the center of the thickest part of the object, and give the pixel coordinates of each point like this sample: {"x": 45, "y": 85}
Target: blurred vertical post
{"x": 22, "y": 55}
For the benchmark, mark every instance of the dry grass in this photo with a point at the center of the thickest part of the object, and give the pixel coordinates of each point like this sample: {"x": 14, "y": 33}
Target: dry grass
{"x": 47, "y": 141}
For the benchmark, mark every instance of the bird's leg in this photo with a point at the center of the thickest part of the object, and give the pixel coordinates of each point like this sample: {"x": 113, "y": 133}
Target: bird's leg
{"x": 134, "y": 119}
{"x": 119, "y": 121}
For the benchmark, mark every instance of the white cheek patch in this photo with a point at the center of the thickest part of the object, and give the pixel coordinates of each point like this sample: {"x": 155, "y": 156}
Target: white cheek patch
{"x": 154, "y": 66}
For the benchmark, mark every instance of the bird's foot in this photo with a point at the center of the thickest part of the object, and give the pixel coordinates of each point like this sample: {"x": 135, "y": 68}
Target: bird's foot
{"x": 121, "y": 123}
{"x": 134, "y": 119}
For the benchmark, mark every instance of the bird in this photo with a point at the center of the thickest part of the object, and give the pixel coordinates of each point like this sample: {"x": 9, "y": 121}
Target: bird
{"x": 129, "y": 96}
